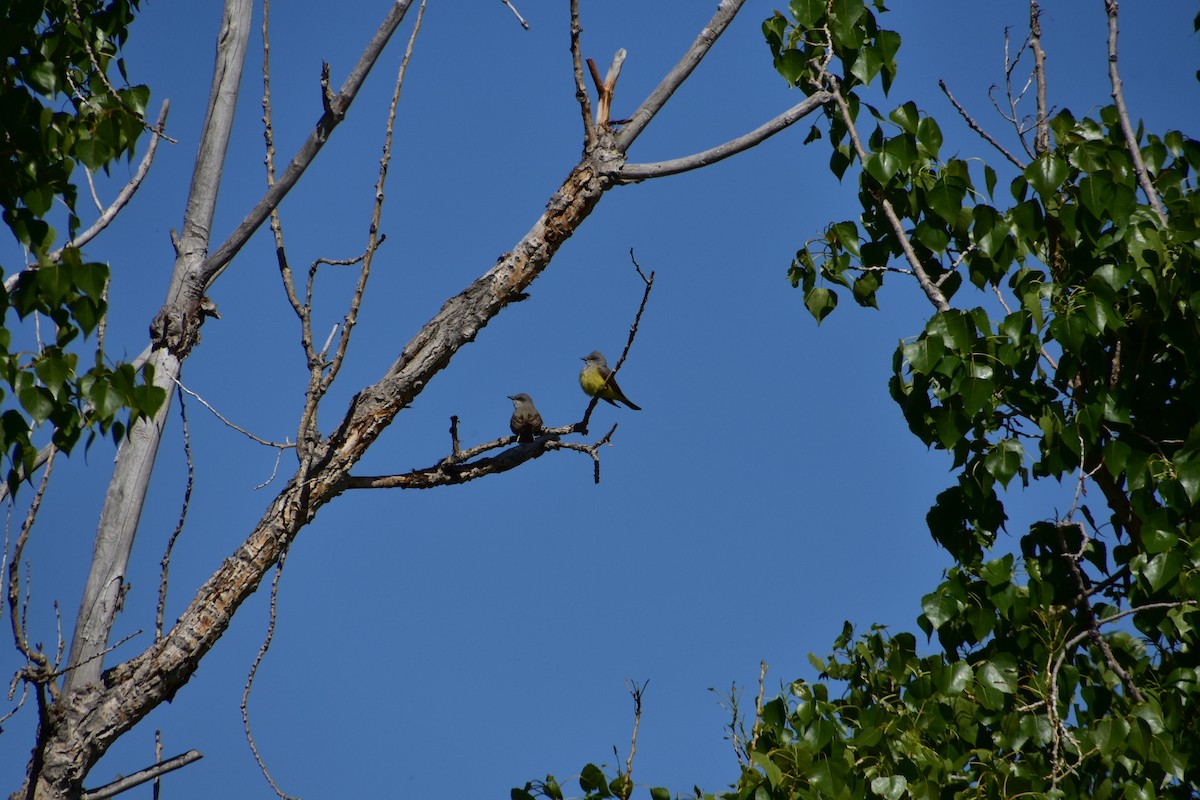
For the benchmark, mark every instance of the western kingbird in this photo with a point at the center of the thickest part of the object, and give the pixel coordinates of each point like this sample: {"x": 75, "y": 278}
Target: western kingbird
{"x": 592, "y": 377}
{"x": 526, "y": 422}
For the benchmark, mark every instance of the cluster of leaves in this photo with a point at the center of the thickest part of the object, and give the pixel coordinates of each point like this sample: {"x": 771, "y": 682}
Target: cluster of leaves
{"x": 59, "y": 53}
{"x": 60, "y": 110}
{"x": 1070, "y": 668}
{"x": 594, "y": 783}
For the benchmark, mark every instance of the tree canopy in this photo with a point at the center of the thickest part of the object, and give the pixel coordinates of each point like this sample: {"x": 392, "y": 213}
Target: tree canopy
{"x": 1062, "y": 346}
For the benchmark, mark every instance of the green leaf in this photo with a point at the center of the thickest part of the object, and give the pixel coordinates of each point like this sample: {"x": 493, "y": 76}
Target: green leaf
{"x": 1162, "y": 569}
{"x": 807, "y": 13}
{"x": 1188, "y": 474}
{"x": 845, "y": 14}
{"x": 592, "y": 779}
{"x": 1000, "y": 673}
{"x": 43, "y": 77}
{"x": 1046, "y": 174}
{"x": 929, "y": 136}
{"x": 867, "y": 65}
{"x": 38, "y": 402}
{"x": 820, "y": 302}
{"x": 906, "y": 117}
{"x": 882, "y": 166}
{"x": 939, "y": 608}
{"x": 925, "y": 354}
{"x": 892, "y": 788}
{"x": 791, "y": 65}
{"x": 946, "y": 197}
{"x": 772, "y": 772}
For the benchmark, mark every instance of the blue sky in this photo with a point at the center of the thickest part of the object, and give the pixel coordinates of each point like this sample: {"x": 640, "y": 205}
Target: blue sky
{"x": 461, "y": 641}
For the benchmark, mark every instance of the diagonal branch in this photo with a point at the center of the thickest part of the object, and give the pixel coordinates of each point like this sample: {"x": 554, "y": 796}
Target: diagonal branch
{"x": 143, "y": 775}
{"x": 927, "y": 285}
{"x": 126, "y": 194}
{"x": 675, "y": 78}
{"x": 975, "y": 126}
{"x": 1118, "y": 96}
{"x": 631, "y": 173}
{"x": 338, "y": 106}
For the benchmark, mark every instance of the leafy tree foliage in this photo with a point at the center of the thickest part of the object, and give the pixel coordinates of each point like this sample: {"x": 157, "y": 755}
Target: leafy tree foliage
{"x": 60, "y": 110}
{"x": 1064, "y": 345}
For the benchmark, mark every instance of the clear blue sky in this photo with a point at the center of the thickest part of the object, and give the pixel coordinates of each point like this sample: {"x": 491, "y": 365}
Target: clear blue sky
{"x": 460, "y": 641}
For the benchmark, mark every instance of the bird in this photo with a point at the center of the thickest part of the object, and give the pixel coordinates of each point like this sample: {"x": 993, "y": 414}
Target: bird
{"x": 592, "y": 379}
{"x": 526, "y": 422}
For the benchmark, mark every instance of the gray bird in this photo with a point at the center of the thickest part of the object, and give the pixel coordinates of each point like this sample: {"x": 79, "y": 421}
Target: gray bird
{"x": 526, "y": 422}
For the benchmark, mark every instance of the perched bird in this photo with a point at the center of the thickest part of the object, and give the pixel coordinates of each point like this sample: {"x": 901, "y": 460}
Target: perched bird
{"x": 595, "y": 371}
{"x": 526, "y": 422}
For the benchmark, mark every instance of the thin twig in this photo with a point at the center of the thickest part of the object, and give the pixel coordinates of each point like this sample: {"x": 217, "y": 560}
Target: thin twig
{"x": 1118, "y": 95}
{"x": 516, "y": 13}
{"x": 455, "y": 449}
{"x": 758, "y": 707}
{"x": 636, "y": 693}
{"x": 156, "y": 788}
{"x": 241, "y": 430}
{"x": 258, "y": 659}
{"x": 165, "y": 563}
{"x": 20, "y": 634}
{"x": 128, "y": 191}
{"x": 581, "y": 426}
{"x": 975, "y": 126}
{"x": 373, "y": 237}
{"x": 1013, "y": 116}
{"x": 106, "y": 651}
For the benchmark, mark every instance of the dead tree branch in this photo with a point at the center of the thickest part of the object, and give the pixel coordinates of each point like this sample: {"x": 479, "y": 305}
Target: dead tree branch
{"x": 640, "y": 118}
{"x": 141, "y": 776}
{"x": 632, "y": 173}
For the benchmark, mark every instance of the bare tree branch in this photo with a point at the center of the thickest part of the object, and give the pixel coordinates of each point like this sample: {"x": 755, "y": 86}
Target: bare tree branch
{"x": 975, "y": 126}
{"x": 141, "y": 776}
{"x": 219, "y": 260}
{"x": 675, "y": 78}
{"x": 631, "y": 173}
{"x": 1042, "y": 142}
{"x": 581, "y": 95}
{"x": 175, "y": 331}
{"x": 516, "y": 13}
{"x": 1118, "y": 96}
